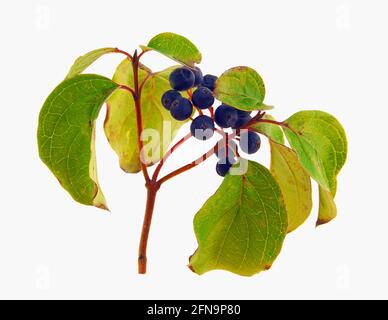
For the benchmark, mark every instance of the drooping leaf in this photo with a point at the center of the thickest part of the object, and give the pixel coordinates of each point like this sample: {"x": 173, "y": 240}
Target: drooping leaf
{"x": 66, "y": 135}
{"x": 86, "y": 60}
{"x": 120, "y": 123}
{"x": 270, "y": 130}
{"x": 327, "y": 208}
{"x": 176, "y": 47}
{"x": 241, "y": 87}
{"x": 320, "y": 142}
{"x": 294, "y": 182}
{"x": 241, "y": 228}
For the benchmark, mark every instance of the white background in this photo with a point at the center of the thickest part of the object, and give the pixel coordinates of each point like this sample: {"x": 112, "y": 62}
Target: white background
{"x": 330, "y": 55}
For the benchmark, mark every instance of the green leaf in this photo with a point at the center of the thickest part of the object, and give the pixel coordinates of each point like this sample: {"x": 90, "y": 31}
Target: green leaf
{"x": 120, "y": 123}
{"x": 176, "y": 47}
{"x": 86, "y": 60}
{"x": 294, "y": 182}
{"x": 241, "y": 228}
{"x": 327, "y": 208}
{"x": 320, "y": 142}
{"x": 241, "y": 87}
{"x": 272, "y": 131}
{"x": 66, "y": 135}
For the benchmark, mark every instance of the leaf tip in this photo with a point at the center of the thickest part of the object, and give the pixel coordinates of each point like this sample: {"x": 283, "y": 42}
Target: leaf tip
{"x": 191, "y": 268}
{"x": 321, "y": 222}
{"x": 102, "y": 206}
{"x": 267, "y": 267}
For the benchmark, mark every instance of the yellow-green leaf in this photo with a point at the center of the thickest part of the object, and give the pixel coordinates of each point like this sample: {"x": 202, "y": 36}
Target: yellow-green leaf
{"x": 294, "y": 182}
{"x": 175, "y": 47}
{"x": 321, "y": 145}
{"x": 272, "y": 131}
{"x": 66, "y": 135}
{"x": 120, "y": 123}
{"x": 241, "y": 87}
{"x": 86, "y": 60}
{"x": 241, "y": 228}
{"x": 327, "y": 208}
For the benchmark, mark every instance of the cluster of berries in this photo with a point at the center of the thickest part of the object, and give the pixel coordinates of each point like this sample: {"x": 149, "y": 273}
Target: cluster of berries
{"x": 203, "y": 126}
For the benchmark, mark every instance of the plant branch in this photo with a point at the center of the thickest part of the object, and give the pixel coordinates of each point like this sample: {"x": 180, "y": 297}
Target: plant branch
{"x": 167, "y": 155}
{"x": 117, "y": 50}
{"x": 282, "y": 124}
{"x": 189, "y": 165}
{"x": 142, "y": 258}
{"x": 129, "y": 89}
{"x": 139, "y": 121}
{"x": 149, "y": 75}
{"x": 142, "y": 53}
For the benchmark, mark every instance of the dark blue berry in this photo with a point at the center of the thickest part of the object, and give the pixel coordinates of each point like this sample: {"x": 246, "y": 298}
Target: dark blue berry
{"x": 198, "y": 76}
{"x": 203, "y": 98}
{"x": 202, "y": 127}
{"x": 169, "y": 97}
{"x": 181, "y": 109}
{"x": 249, "y": 142}
{"x": 182, "y": 79}
{"x": 223, "y": 167}
{"x": 243, "y": 118}
{"x": 226, "y": 116}
{"x": 209, "y": 81}
{"x": 231, "y": 153}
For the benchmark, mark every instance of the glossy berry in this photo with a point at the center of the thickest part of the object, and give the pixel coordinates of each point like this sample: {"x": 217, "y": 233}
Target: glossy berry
{"x": 181, "y": 109}
{"x": 250, "y": 142}
{"x": 229, "y": 155}
{"x": 202, "y": 127}
{"x": 209, "y": 81}
{"x": 243, "y": 118}
{"x": 223, "y": 167}
{"x": 198, "y": 76}
{"x": 169, "y": 97}
{"x": 226, "y": 116}
{"x": 203, "y": 98}
{"x": 182, "y": 79}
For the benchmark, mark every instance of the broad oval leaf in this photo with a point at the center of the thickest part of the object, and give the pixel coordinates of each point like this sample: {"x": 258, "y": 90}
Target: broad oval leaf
{"x": 66, "y": 135}
{"x": 320, "y": 142}
{"x": 176, "y": 47}
{"x": 241, "y": 228}
{"x": 86, "y": 60}
{"x": 241, "y": 87}
{"x": 294, "y": 182}
{"x": 120, "y": 123}
{"x": 272, "y": 131}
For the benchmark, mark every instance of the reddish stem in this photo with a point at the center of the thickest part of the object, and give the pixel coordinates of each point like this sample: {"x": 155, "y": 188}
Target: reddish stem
{"x": 142, "y": 53}
{"x": 149, "y": 75}
{"x": 142, "y": 258}
{"x": 282, "y": 124}
{"x": 200, "y": 112}
{"x": 211, "y": 109}
{"x": 124, "y": 87}
{"x": 117, "y": 50}
{"x": 189, "y": 165}
{"x": 167, "y": 155}
{"x": 139, "y": 122}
